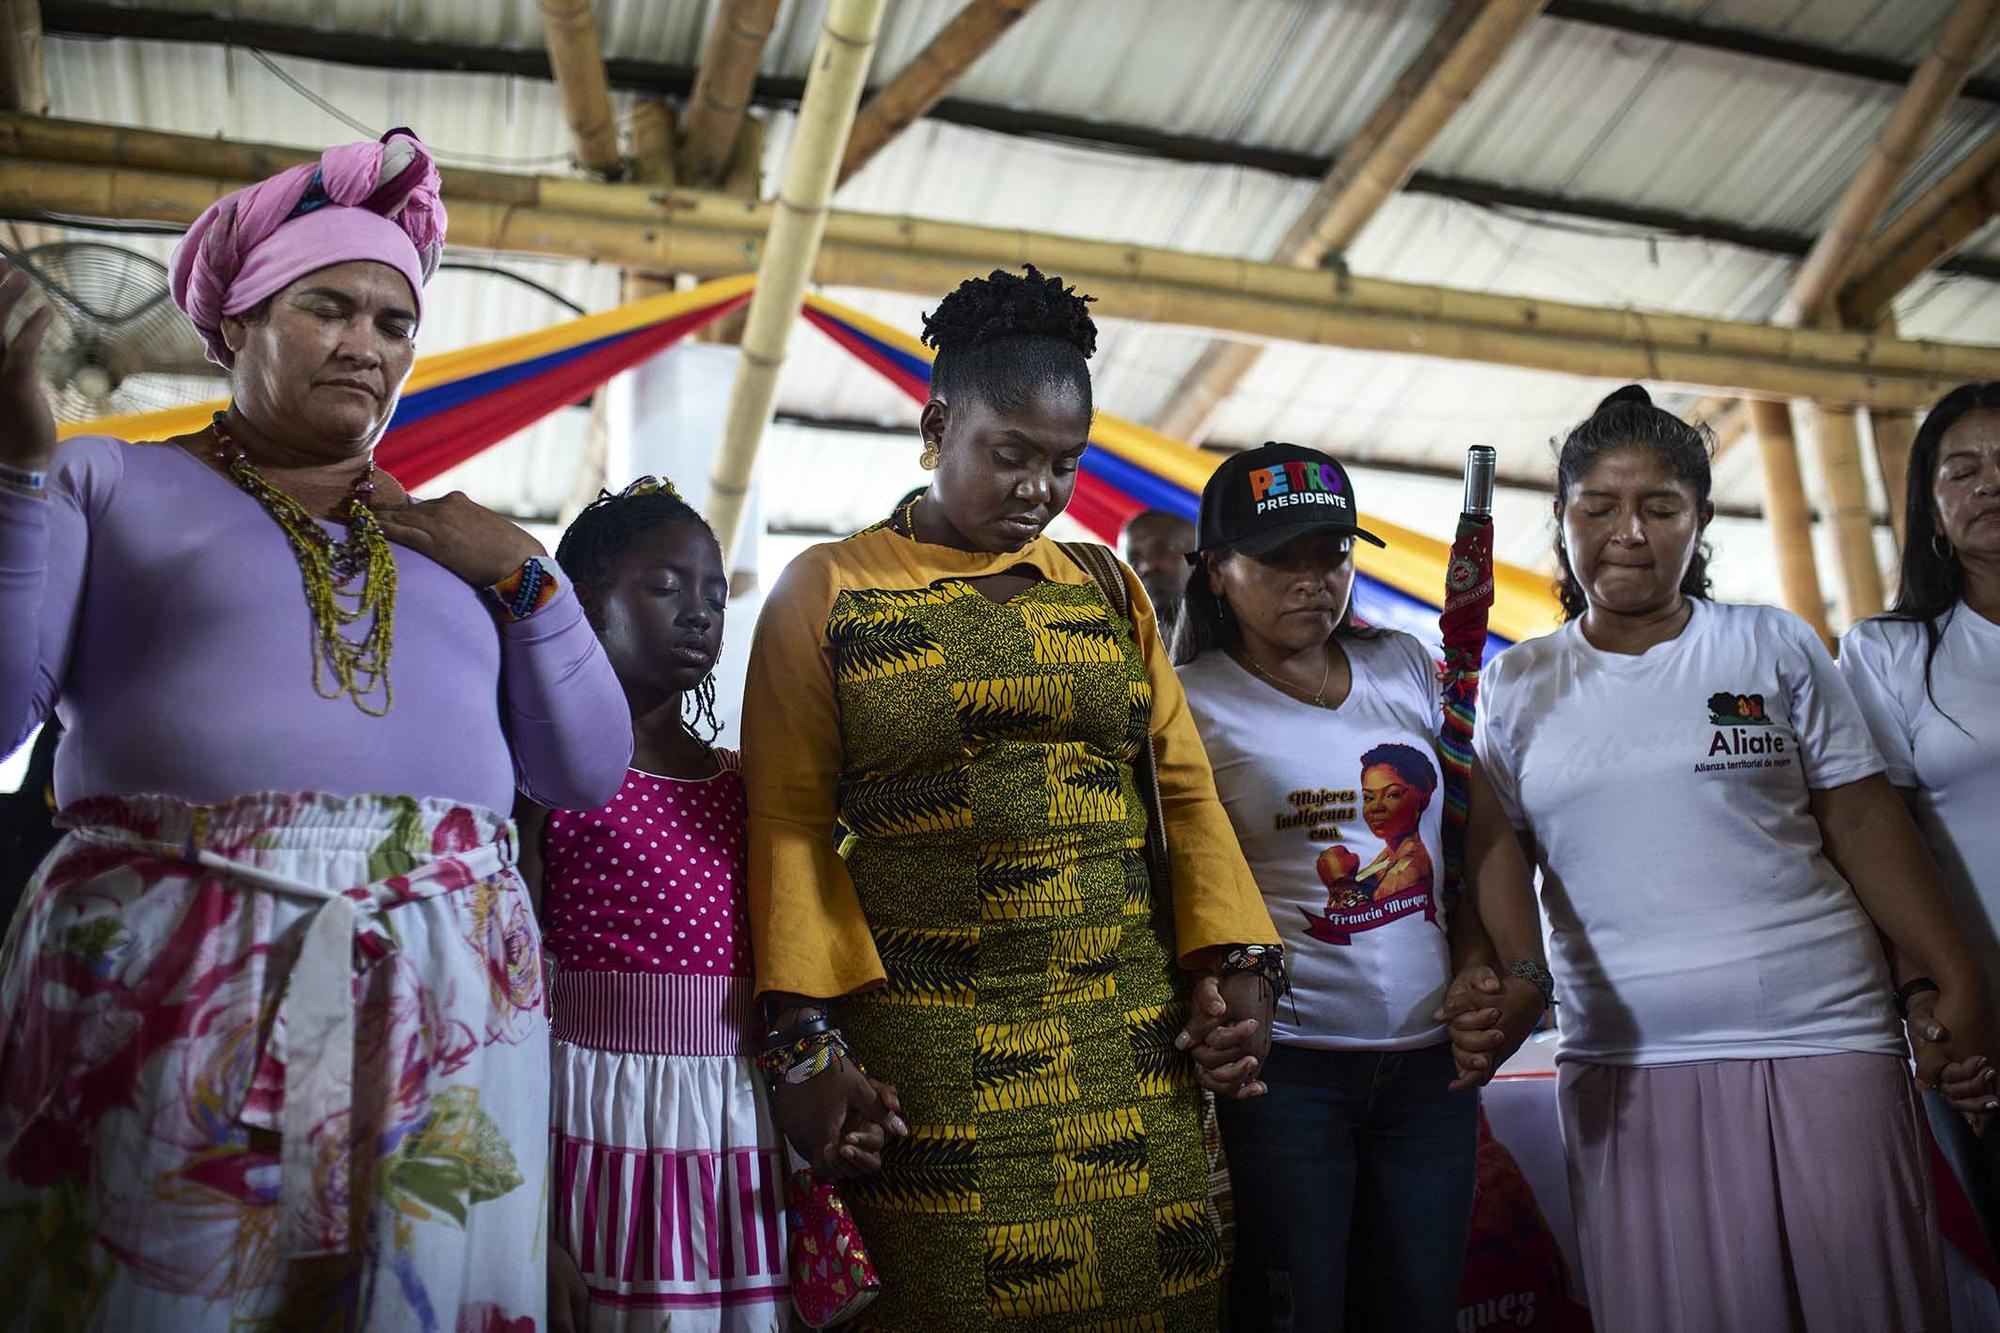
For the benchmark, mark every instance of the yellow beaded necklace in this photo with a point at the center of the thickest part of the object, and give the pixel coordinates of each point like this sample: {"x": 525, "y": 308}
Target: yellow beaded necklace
{"x": 360, "y": 668}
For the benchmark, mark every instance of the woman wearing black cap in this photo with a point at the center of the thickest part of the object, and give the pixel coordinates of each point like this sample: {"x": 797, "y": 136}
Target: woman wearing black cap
{"x": 1354, "y": 1173}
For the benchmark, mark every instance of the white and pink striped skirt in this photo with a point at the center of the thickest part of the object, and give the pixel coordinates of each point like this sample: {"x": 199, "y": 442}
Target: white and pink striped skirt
{"x": 668, "y": 1173}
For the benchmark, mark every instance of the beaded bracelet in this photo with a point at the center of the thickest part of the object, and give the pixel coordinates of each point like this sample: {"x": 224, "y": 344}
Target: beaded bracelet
{"x": 1529, "y": 970}
{"x": 793, "y": 1062}
{"x": 1266, "y": 961}
{"x": 527, "y": 590}
{"x": 28, "y": 479}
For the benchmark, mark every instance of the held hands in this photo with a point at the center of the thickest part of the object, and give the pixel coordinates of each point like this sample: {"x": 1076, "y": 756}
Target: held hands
{"x": 27, "y": 426}
{"x": 839, "y": 1121}
{"x": 1950, "y": 1056}
{"x": 466, "y": 538}
{"x": 1487, "y": 1020}
{"x": 1228, "y": 1033}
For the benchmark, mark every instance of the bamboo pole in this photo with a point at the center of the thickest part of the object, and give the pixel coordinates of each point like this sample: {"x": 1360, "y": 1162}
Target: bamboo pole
{"x": 812, "y": 165}
{"x": 23, "y": 77}
{"x": 1466, "y": 46}
{"x": 707, "y": 235}
{"x": 720, "y": 101}
{"x": 1853, "y": 521}
{"x": 970, "y": 35}
{"x": 1970, "y": 29}
{"x": 1894, "y": 434}
{"x": 576, "y": 59}
{"x": 652, "y": 130}
{"x": 1787, "y": 514}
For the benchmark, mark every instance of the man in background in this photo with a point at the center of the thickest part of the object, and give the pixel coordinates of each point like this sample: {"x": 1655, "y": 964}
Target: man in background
{"x": 1156, "y": 545}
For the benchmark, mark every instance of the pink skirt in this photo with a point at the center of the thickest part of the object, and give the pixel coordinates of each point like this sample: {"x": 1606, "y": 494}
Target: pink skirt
{"x": 1754, "y": 1196}
{"x": 669, "y": 1175}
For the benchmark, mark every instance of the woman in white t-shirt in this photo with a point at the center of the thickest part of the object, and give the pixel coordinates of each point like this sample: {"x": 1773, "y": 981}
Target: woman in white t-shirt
{"x": 1927, "y": 676}
{"x": 1718, "y": 851}
{"x": 1353, "y": 1173}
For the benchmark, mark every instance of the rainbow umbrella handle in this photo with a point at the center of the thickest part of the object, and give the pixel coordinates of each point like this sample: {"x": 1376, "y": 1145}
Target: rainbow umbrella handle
{"x": 1468, "y": 598}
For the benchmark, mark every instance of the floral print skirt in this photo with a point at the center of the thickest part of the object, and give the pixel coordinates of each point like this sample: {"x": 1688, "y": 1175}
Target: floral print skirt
{"x": 281, "y": 1063}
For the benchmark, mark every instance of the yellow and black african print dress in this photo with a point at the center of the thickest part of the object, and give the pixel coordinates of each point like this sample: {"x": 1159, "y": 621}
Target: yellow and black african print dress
{"x": 1007, "y": 964}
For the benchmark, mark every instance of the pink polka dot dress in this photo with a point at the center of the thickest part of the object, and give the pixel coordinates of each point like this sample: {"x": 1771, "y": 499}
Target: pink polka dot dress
{"x": 669, "y": 1176}
{"x": 650, "y": 883}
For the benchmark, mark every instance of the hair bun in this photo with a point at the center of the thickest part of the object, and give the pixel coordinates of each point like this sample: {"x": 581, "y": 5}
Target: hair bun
{"x": 1005, "y": 305}
{"x": 1631, "y": 393}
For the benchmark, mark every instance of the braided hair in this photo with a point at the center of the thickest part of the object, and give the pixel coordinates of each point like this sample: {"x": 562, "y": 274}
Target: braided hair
{"x": 608, "y": 525}
{"x": 1628, "y": 420}
{"x": 1003, "y": 336}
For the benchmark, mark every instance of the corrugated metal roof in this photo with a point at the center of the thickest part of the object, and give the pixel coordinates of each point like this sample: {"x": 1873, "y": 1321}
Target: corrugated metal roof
{"x": 1573, "y": 109}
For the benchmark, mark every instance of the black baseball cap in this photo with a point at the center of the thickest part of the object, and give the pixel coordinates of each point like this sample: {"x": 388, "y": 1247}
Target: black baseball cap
{"x": 1263, "y": 498}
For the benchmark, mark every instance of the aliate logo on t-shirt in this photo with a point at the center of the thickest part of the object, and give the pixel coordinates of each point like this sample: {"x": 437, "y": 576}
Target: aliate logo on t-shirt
{"x": 1742, "y": 738}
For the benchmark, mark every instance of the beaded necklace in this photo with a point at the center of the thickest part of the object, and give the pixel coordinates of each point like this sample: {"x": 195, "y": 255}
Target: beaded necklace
{"x": 908, "y": 515}
{"x": 360, "y": 669}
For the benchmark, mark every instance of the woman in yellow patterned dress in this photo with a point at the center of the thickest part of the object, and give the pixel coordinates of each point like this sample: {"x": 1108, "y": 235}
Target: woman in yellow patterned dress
{"x": 955, "y": 695}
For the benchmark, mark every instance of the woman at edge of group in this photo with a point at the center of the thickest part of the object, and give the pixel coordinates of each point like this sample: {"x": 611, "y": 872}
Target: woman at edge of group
{"x": 1354, "y": 1172}
{"x": 272, "y": 1049}
{"x": 1926, "y": 675}
{"x": 1719, "y": 850}
{"x": 954, "y": 692}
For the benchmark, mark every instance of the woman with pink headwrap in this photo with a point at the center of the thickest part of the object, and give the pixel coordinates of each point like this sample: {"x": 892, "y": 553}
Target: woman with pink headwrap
{"x": 272, "y": 1043}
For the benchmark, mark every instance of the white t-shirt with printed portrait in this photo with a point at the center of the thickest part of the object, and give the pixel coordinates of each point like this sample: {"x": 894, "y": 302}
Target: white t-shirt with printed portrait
{"x": 1690, "y": 909}
{"x": 1346, "y": 853}
{"x": 1945, "y": 743}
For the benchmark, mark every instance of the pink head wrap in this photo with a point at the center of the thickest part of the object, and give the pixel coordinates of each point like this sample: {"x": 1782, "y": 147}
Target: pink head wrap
{"x": 375, "y": 201}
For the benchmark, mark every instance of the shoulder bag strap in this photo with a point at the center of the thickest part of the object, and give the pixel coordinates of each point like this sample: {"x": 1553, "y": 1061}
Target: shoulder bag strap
{"x": 1102, "y": 566}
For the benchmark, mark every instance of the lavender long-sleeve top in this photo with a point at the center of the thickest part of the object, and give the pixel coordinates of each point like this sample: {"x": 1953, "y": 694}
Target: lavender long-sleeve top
{"x": 157, "y": 609}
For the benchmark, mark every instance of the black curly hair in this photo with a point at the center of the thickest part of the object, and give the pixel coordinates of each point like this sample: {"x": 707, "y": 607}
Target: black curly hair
{"x": 1005, "y": 335}
{"x": 1413, "y": 764}
{"x": 1628, "y": 420}
{"x": 608, "y": 525}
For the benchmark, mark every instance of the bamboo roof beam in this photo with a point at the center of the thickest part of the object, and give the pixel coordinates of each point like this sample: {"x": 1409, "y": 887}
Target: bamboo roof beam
{"x": 720, "y": 101}
{"x": 23, "y": 79}
{"x": 1968, "y": 31}
{"x": 899, "y": 105}
{"x": 576, "y": 57}
{"x": 1924, "y": 234}
{"x": 1962, "y": 41}
{"x": 1468, "y": 44}
{"x": 709, "y": 234}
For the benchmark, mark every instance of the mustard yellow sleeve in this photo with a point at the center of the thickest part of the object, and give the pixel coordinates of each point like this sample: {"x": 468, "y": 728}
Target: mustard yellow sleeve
{"x": 1216, "y": 901}
{"x": 807, "y": 929}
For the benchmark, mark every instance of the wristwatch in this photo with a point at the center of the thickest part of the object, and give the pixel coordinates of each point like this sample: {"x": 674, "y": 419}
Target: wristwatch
{"x": 1910, "y": 990}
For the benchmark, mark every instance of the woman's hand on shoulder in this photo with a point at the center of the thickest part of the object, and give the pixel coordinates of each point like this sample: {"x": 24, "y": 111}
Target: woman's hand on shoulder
{"x": 27, "y": 425}
{"x": 466, "y": 538}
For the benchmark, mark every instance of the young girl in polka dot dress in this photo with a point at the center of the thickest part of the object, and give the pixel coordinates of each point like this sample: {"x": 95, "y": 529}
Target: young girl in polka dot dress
{"x": 667, "y": 1177}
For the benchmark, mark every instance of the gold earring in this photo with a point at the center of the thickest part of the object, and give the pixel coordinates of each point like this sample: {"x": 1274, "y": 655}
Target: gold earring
{"x": 1940, "y": 547}
{"x": 928, "y": 459}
